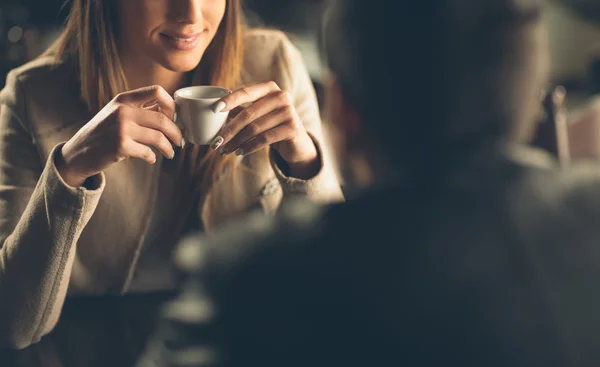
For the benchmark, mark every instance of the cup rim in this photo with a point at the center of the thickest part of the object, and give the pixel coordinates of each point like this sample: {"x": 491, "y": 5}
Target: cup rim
{"x": 178, "y": 92}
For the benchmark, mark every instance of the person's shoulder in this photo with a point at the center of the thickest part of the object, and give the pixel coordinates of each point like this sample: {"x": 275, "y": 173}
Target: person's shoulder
{"x": 555, "y": 206}
{"x": 530, "y": 157}
{"x": 541, "y": 178}
{"x": 42, "y": 75}
{"x": 251, "y": 237}
{"x": 580, "y": 185}
{"x": 268, "y": 53}
{"x": 41, "y": 70}
{"x": 265, "y": 40}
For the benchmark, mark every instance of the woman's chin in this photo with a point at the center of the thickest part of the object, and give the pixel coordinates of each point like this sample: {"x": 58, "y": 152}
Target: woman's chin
{"x": 182, "y": 64}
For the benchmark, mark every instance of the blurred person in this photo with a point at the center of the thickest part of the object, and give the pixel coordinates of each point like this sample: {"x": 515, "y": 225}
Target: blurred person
{"x": 77, "y": 215}
{"x": 464, "y": 247}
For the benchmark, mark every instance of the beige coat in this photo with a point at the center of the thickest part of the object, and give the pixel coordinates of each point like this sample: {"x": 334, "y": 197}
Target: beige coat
{"x": 56, "y": 239}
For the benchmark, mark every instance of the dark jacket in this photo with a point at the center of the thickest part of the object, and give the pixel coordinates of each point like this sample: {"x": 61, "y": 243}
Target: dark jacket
{"x": 497, "y": 264}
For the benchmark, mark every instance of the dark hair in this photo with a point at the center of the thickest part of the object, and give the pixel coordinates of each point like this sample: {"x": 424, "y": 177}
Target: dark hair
{"x": 429, "y": 77}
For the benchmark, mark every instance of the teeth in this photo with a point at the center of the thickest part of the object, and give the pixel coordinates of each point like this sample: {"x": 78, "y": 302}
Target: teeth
{"x": 181, "y": 39}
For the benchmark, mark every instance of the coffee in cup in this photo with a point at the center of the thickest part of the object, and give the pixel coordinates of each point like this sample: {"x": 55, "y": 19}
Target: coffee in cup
{"x": 195, "y": 115}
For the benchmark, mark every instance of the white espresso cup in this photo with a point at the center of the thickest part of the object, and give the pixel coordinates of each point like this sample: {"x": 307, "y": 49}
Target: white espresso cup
{"x": 195, "y": 114}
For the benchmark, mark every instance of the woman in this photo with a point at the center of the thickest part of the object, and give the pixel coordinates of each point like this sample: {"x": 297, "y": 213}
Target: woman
{"x": 76, "y": 214}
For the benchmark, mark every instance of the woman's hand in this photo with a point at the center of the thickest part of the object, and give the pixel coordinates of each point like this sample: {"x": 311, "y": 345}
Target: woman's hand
{"x": 271, "y": 120}
{"x": 126, "y": 127}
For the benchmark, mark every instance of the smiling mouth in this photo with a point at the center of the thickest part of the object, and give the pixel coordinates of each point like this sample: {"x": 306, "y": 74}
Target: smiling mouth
{"x": 179, "y": 39}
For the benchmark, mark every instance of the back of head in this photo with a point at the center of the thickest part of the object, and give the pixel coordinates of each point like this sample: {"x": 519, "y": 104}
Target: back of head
{"x": 435, "y": 77}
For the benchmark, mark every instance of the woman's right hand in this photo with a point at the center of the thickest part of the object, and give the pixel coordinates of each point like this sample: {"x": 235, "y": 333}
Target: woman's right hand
{"x": 126, "y": 127}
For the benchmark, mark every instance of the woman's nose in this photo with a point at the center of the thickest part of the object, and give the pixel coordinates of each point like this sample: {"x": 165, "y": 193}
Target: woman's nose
{"x": 187, "y": 11}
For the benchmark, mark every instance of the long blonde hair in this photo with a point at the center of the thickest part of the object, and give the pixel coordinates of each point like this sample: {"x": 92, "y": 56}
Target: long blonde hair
{"x": 90, "y": 40}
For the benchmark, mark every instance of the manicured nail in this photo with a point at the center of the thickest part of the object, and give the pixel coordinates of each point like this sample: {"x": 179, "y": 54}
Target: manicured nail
{"x": 219, "y": 107}
{"x": 217, "y": 142}
{"x": 182, "y": 143}
{"x": 239, "y": 152}
{"x": 175, "y": 117}
{"x": 222, "y": 151}
{"x": 172, "y": 155}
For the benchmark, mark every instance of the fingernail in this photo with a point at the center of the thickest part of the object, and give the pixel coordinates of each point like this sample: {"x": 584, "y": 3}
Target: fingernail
{"x": 222, "y": 151}
{"x": 175, "y": 117}
{"x": 172, "y": 155}
{"x": 219, "y": 107}
{"x": 239, "y": 152}
{"x": 182, "y": 143}
{"x": 217, "y": 142}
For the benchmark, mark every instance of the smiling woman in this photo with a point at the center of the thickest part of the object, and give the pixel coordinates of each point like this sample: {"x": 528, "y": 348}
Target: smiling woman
{"x": 174, "y": 37}
{"x": 77, "y": 214}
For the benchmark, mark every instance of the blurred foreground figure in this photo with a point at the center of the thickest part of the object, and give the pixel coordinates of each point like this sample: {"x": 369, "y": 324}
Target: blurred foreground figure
{"x": 463, "y": 246}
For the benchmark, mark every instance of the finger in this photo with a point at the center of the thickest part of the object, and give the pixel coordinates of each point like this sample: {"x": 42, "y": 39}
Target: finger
{"x": 158, "y": 121}
{"x": 155, "y": 107}
{"x": 248, "y": 115}
{"x": 245, "y": 95}
{"x": 151, "y": 137}
{"x": 269, "y": 137}
{"x": 147, "y": 96}
{"x": 134, "y": 149}
{"x": 259, "y": 126}
{"x": 233, "y": 113}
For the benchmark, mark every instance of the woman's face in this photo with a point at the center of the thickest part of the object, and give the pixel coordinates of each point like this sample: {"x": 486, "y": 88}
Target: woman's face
{"x": 171, "y": 33}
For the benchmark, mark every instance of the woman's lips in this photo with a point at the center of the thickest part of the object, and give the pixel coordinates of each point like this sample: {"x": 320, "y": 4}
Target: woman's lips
{"x": 181, "y": 42}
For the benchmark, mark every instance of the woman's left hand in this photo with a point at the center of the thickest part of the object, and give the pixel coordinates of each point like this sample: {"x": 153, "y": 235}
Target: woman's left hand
{"x": 271, "y": 120}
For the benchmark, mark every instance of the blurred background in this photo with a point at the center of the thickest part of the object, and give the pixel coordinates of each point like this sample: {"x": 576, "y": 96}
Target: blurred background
{"x": 27, "y": 27}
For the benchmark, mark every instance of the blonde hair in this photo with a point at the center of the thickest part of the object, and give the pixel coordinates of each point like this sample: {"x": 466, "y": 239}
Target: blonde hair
{"x": 90, "y": 40}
